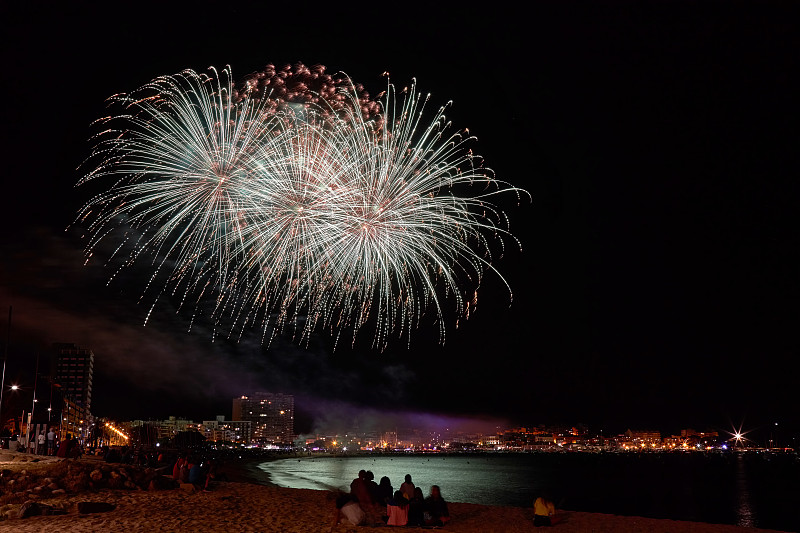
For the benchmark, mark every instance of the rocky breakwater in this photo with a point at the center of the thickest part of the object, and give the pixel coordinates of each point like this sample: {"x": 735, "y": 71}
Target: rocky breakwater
{"x": 23, "y": 483}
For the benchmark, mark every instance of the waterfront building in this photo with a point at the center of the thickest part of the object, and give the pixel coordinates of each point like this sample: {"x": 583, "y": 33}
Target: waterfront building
{"x": 644, "y": 436}
{"x": 271, "y": 416}
{"x": 162, "y": 429}
{"x": 74, "y": 368}
{"x": 221, "y": 430}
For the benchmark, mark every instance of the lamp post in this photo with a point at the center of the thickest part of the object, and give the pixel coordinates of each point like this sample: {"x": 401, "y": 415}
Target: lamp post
{"x": 28, "y": 433}
{"x": 5, "y": 358}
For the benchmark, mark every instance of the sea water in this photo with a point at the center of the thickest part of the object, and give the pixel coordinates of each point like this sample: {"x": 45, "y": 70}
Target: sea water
{"x": 756, "y": 490}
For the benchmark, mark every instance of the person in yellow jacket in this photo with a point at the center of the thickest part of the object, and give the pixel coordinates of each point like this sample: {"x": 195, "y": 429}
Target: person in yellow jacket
{"x": 543, "y": 511}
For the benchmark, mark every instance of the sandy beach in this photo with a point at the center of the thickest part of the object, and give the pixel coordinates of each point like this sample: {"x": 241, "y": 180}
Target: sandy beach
{"x": 245, "y": 507}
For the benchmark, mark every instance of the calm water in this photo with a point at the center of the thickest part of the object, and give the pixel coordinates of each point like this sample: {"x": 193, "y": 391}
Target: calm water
{"x": 749, "y": 490}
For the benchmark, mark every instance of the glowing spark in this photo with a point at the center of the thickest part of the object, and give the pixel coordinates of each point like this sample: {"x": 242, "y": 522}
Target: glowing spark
{"x": 297, "y": 200}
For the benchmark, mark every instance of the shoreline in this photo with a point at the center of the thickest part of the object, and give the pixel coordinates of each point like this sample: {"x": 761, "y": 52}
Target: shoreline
{"x": 244, "y": 506}
{"x": 260, "y": 477}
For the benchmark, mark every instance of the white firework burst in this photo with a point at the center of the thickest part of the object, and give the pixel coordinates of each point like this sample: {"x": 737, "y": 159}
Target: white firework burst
{"x": 300, "y": 215}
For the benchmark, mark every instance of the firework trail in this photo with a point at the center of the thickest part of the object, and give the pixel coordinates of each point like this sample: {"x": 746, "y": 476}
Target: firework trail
{"x": 294, "y": 201}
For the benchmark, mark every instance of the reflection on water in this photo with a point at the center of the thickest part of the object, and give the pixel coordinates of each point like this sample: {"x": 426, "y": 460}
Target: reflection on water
{"x": 752, "y": 490}
{"x": 744, "y": 509}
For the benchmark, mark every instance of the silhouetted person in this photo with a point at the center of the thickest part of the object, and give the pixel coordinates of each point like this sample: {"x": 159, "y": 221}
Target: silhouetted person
{"x": 372, "y": 488}
{"x": 359, "y": 489}
{"x": 436, "y": 507}
{"x": 63, "y": 447}
{"x": 397, "y": 509}
{"x": 416, "y": 509}
{"x": 348, "y": 511}
{"x": 407, "y": 488}
{"x": 385, "y": 490}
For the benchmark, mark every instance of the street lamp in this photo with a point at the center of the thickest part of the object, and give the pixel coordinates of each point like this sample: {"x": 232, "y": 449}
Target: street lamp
{"x": 12, "y": 388}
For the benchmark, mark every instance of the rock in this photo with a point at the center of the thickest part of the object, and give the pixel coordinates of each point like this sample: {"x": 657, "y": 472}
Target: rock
{"x": 188, "y": 487}
{"x": 11, "y": 482}
{"x": 96, "y": 475}
{"x": 28, "y": 509}
{"x": 114, "y": 474}
{"x": 95, "y": 507}
{"x": 129, "y": 485}
{"x": 52, "y": 486}
{"x": 37, "y": 489}
{"x": 58, "y": 491}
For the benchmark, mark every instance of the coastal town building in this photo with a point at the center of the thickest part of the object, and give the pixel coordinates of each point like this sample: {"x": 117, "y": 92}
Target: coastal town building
{"x": 162, "y": 430}
{"x": 643, "y": 436}
{"x": 221, "y": 430}
{"x": 271, "y": 416}
{"x": 74, "y": 369}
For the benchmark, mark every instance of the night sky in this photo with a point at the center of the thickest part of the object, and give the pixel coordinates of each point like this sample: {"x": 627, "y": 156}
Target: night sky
{"x": 658, "y": 282}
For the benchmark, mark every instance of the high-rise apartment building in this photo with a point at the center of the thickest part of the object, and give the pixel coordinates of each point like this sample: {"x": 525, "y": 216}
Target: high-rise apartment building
{"x": 271, "y": 416}
{"x": 74, "y": 367}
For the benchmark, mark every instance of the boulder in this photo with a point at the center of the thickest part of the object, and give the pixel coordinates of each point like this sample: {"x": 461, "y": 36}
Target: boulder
{"x": 28, "y": 509}
{"x": 58, "y": 491}
{"x": 96, "y": 475}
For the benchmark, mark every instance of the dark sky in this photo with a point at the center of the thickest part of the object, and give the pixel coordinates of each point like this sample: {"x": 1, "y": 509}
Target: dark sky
{"x": 658, "y": 282}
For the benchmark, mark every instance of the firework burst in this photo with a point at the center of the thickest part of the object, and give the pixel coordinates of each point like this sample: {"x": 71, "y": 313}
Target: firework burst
{"x": 294, "y": 201}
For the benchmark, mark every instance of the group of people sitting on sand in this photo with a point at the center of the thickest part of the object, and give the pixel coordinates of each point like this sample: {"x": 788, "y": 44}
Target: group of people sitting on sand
{"x": 190, "y": 470}
{"x": 375, "y": 503}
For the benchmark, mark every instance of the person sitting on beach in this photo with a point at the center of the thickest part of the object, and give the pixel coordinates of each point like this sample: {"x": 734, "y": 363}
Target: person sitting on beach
{"x": 211, "y": 474}
{"x": 372, "y": 488}
{"x": 360, "y": 489}
{"x": 416, "y": 509}
{"x": 348, "y": 511}
{"x": 543, "y": 511}
{"x": 196, "y": 475}
{"x": 436, "y": 508}
{"x": 183, "y": 475}
{"x": 112, "y": 456}
{"x": 75, "y": 449}
{"x": 385, "y": 490}
{"x": 397, "y": 509}
{"x": 407, "y": 488}
{"x": 176, "y": 470}
{"x": 63, "y": 447}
